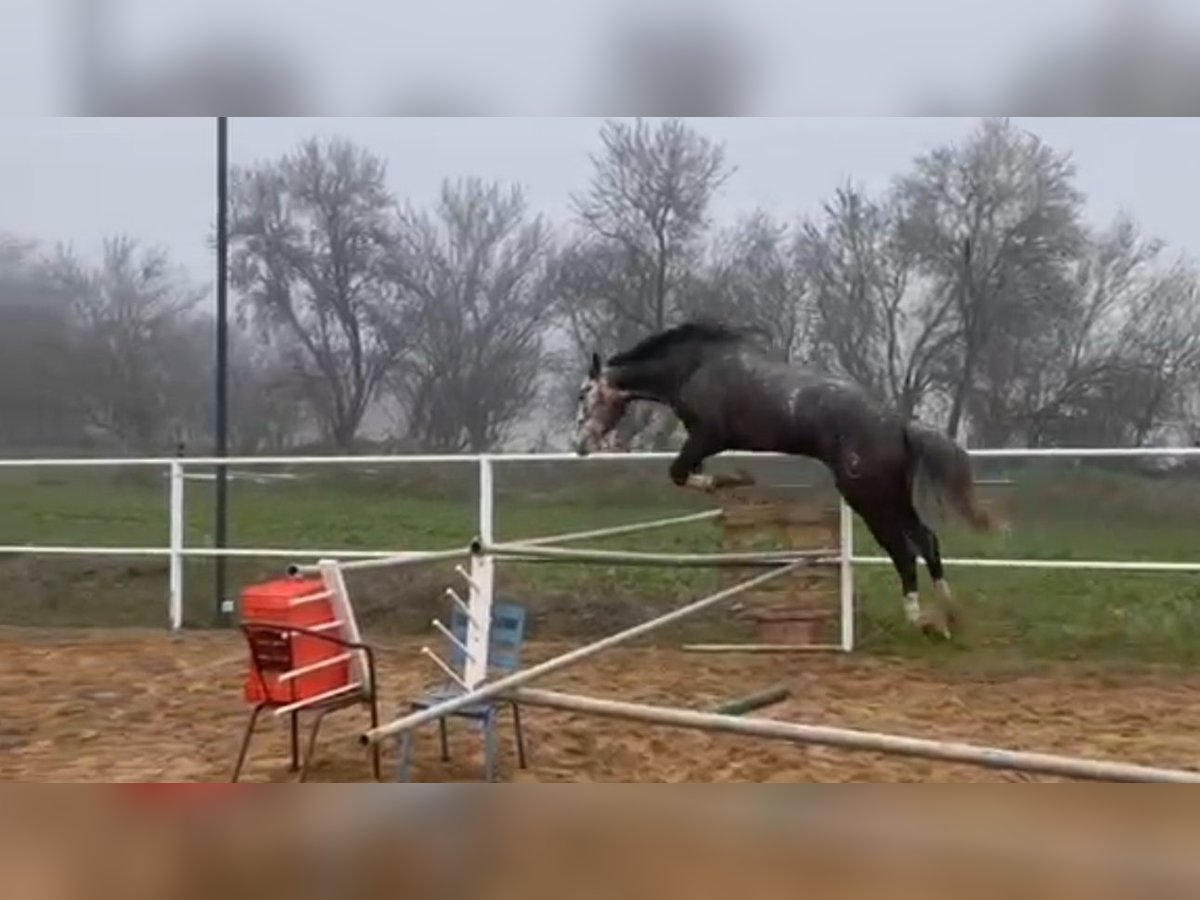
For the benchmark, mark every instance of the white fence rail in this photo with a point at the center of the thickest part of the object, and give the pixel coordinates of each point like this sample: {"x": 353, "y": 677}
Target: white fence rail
{"x": 177, "y": 551}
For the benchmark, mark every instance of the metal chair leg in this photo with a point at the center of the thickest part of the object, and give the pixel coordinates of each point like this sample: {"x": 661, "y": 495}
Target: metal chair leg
{"x": 444, "y": 729}
{"x": 404, "y": 756}
{"x": 376, "y": 762}
{"x": 312, "y": 744}
{"x": 521, "y": 759}
{"x": 405, "y": 750}
{"x": 489, "y": 745}
{"x": 246, "y": 737}
{"x": 295, "y": 717}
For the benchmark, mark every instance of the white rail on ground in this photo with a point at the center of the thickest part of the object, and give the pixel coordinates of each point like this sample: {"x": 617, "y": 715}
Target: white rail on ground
{"x": 859, "y": 741}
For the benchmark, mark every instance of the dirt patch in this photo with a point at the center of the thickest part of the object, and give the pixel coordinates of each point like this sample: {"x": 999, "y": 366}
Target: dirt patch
{"x": 145, "y": 706}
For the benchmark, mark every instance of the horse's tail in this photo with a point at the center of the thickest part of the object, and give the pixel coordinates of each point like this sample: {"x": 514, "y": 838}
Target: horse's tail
{"x": 938, "y": 462}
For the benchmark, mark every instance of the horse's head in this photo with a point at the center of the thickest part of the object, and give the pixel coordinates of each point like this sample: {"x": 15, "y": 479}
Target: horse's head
{"x": 601, "y": 406}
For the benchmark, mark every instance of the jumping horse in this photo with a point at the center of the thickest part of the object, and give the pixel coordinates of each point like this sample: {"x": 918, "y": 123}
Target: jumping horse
{"x": 731, "y": 395}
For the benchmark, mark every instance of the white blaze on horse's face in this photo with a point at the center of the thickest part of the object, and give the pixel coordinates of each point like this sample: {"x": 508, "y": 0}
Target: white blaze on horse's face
{"x": 600, "y": 409}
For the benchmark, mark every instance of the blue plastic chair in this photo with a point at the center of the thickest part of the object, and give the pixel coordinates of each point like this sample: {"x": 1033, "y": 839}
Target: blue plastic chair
{"x": 504, "y": 656}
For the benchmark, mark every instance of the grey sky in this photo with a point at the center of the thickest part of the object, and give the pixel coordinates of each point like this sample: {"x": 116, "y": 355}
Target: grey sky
{"x": 79, "y": 179}
{"x": 549, "y": 57}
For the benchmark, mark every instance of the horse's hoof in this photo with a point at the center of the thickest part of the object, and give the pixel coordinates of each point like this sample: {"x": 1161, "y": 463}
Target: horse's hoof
{"x": 954, "y": 621}
{"x": 739, "y": 479}
{"x": 936, "y": 630}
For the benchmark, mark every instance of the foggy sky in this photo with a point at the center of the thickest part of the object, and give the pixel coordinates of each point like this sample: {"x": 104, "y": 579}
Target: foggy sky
{"x": 79, "y": 179}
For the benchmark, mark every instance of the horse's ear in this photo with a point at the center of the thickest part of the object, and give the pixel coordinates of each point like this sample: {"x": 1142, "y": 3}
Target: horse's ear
{"x": 594, "y": 371}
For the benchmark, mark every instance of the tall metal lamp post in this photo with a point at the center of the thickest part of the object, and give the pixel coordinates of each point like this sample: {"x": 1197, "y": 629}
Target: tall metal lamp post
{"x": 222, "y": 608}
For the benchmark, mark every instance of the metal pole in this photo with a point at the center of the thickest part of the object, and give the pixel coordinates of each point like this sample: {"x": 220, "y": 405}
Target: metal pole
{"x": 175, "y": 564}
{"x": 517, "y": 679}
{"x": 220, "y": 533}
{"x": 846, "y": 574}
{"x": 863, "y": 741}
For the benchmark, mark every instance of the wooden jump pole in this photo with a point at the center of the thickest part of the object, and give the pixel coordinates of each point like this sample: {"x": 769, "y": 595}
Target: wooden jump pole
{"x": 518, "y": 679}
{"x": 860, "y": 741}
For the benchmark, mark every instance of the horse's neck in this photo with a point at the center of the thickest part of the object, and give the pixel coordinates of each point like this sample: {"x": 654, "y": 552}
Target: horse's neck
{"x": 656, "y": 381}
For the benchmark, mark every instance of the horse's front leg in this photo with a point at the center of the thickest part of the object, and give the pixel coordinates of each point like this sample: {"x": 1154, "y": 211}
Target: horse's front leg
{"x": 687, "y": 469}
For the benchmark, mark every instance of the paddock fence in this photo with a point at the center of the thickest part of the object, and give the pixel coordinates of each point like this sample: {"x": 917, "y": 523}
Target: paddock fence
{"x": 178, "y": 471}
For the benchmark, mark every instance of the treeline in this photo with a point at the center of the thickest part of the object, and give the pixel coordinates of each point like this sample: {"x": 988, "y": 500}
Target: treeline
{"x": 972, "y": 292}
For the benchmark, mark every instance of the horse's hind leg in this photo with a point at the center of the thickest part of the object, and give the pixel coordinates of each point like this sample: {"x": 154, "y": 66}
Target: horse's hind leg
{"x": 930, "y": 549}
{"x": 887, "y": 526}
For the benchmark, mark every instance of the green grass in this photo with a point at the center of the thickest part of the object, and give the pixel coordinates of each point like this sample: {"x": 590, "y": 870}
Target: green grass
{"x": 1056, "y": 512}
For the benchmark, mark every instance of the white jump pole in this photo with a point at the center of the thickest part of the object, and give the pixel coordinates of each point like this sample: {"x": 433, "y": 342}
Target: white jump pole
{"x": 517, "y": 679}
{"x": 412, "y": 558}
{"x": 529, "y": 553}
{"x": 616, "y": 530}
{"x": 861, "y": 741}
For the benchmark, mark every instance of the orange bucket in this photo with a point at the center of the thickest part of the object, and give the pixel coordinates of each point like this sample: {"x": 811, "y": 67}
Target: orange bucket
{"x": 294, "y": 602}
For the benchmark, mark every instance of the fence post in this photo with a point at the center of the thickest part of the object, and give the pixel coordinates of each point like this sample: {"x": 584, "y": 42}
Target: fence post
{"x": 846, "y": 567}
{"x": 175, "y": 563}
{"x": 483, "y": 581}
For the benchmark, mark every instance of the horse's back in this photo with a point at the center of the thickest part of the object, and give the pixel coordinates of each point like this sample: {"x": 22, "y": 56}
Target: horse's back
{"x": 826, "y": 414}
{"x": 764, "y": 404}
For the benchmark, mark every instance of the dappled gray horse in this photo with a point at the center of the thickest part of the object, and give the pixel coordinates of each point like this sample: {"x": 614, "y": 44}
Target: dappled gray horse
{"x": 730, "y": 395}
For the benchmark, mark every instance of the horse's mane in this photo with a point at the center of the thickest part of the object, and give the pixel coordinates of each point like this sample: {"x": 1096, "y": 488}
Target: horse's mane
{"x": 688, "y": 332}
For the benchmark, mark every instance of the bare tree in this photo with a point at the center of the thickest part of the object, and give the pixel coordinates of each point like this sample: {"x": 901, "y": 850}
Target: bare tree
{"x": 593, "y": 280}
{"x": 267, "y": 401}
{"x": 475, "y": 277}
{"x": 649, "y": 198}
{"x": 993, "y": 223}
{"x": 39, "y": 381}
{"x": 755, "y": 277}
{"x": 1043, "y": 383}
{"x": 1154, "y": 354}
{"x": 1106, "y": 361}
{"x": 874, "y": 318}
{"x": 643, "y": 220}
{"x": 311, "y": 235}
{"x": 140, "y": 350}
{"x": 596, "y": 281}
